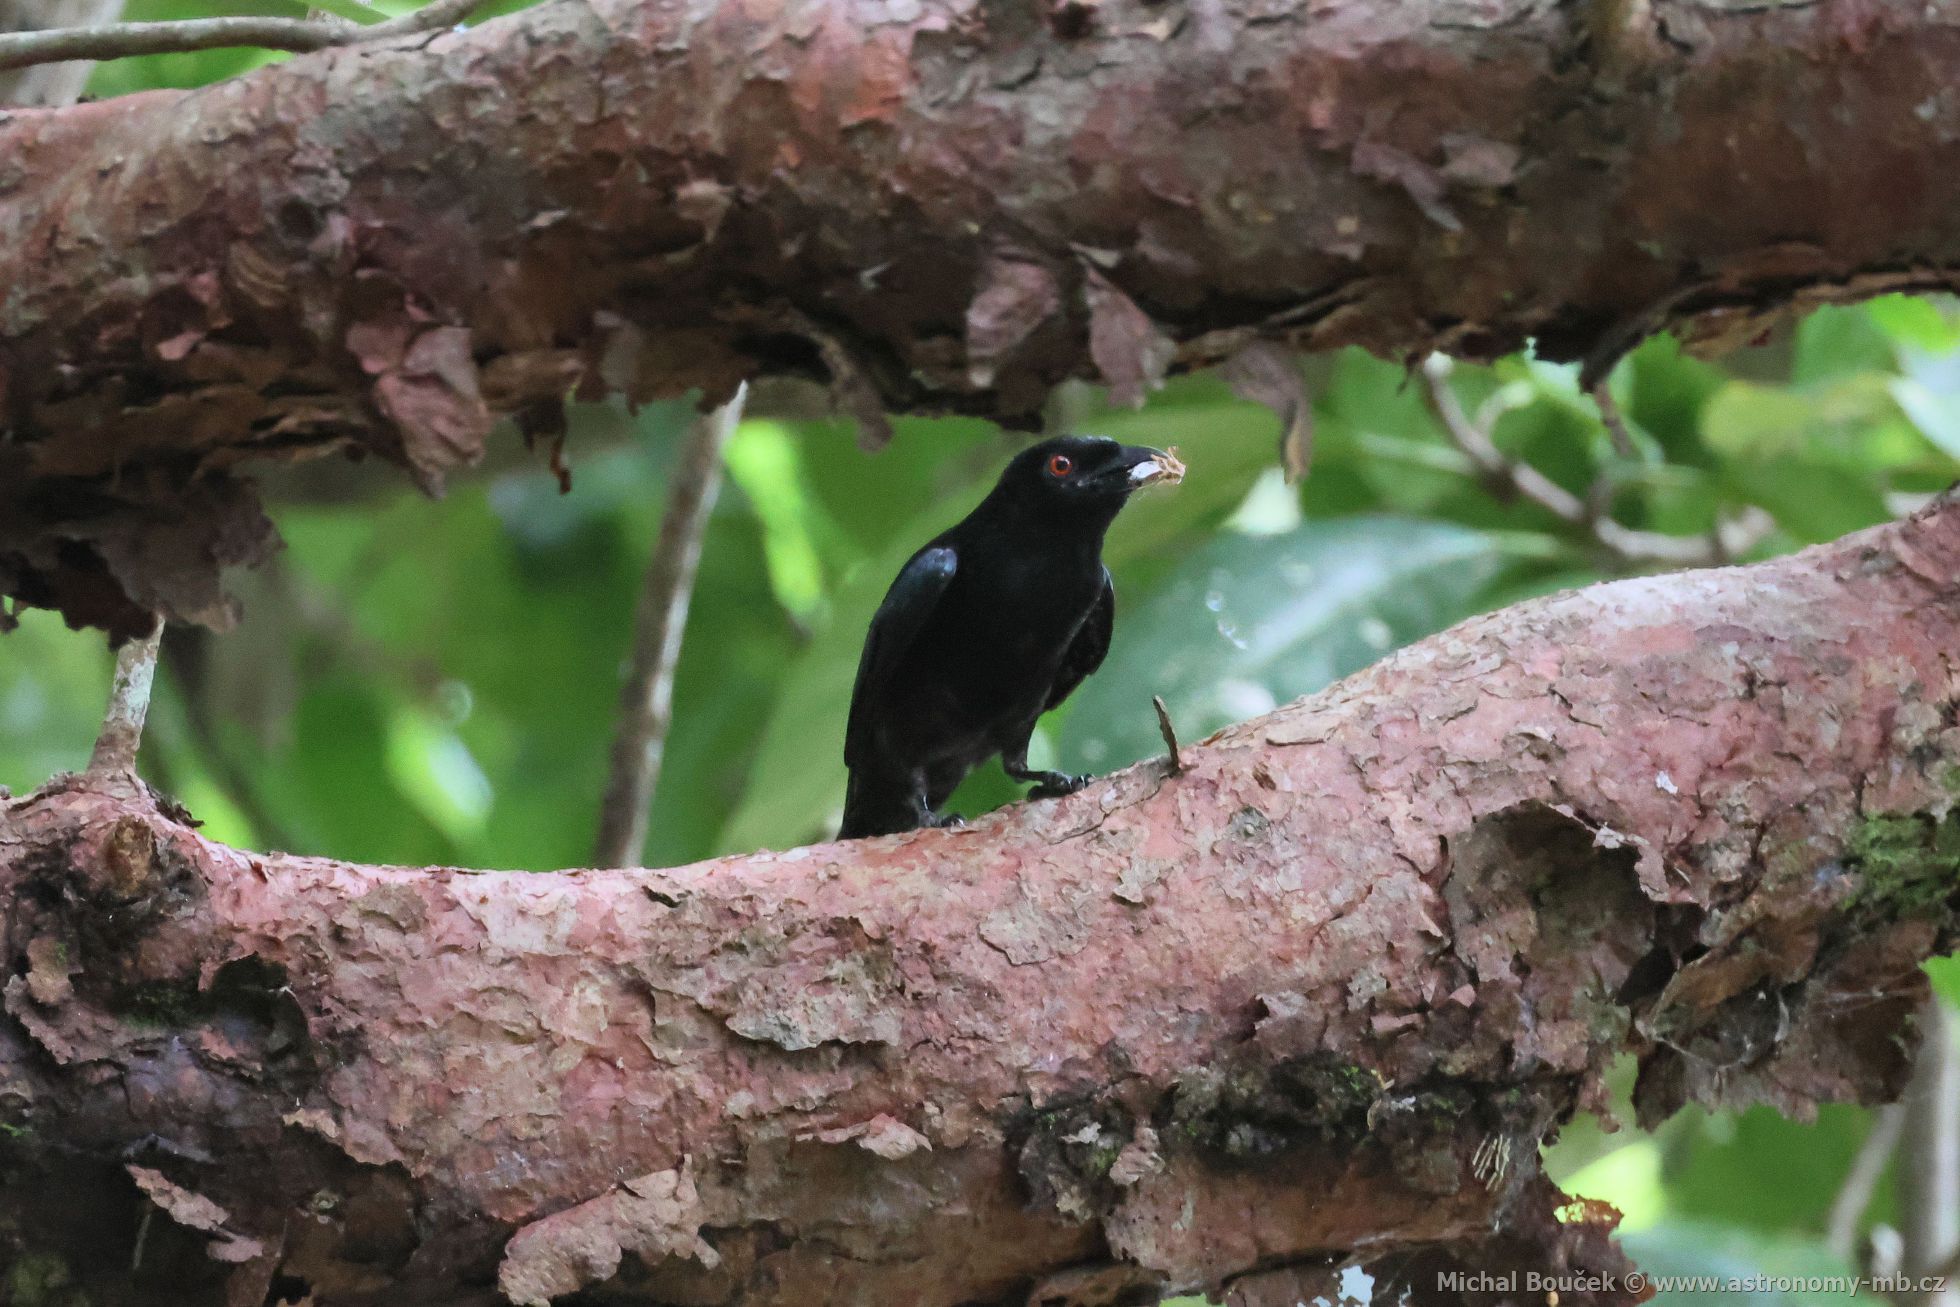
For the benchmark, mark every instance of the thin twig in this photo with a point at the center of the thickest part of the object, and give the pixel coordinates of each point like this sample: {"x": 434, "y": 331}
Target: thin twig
{"x": 1169, "y": 732}
{"x": 1504, "y": 474}
{"x": 121, "y": 40}
{"x": 129, "y": 704}
{"x": 1616, "y": 423}
{"x": 1514, "y": 478}
{"x": 1861, "y": 1181}
{"x": 646, "y": 701}
{"x": 50, "y": 86}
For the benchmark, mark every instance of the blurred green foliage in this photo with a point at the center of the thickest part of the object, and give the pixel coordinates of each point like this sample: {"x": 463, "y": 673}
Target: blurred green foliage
{"x": 435, "y": 682}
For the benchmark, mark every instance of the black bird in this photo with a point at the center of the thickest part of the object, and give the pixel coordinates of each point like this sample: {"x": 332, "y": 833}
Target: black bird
{"x": 990, "y": 625}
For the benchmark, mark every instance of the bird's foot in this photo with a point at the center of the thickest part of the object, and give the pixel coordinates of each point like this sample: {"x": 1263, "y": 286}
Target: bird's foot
{"x": 945, "y": 820}
{"x": 1054, "y": 784}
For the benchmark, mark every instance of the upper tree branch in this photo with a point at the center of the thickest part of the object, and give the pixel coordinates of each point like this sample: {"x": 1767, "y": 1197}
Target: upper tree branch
{"x": 937, "y": 206}
{"x": 1327, "y": 988}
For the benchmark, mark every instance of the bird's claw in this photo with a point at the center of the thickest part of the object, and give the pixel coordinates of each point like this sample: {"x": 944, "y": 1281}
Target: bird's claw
{"x": 1056, "y": 784}
{"x": 947, "y": 821}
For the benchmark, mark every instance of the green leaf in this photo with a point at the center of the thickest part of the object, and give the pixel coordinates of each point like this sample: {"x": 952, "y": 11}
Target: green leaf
{"x": 1759, "y": 1169}
{"x": 1944, "y": 972}
{"x": 53, "y": 685}
{"x": 1665, "y": 392}
{"x": 1936, "y": 415}
{"x": 1244, "y": 623}
{"x": 435, "y": 771}
{"x": 1840, "y": 340}
{"x": 765, "y": 462}
{"x": 1818, "y": 458}
{"x": 1713, "y": 1266}
{"x": 1916, "y": 323}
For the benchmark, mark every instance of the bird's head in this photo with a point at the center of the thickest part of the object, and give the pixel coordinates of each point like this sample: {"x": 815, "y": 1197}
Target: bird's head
{"x": 1086, "y": 476}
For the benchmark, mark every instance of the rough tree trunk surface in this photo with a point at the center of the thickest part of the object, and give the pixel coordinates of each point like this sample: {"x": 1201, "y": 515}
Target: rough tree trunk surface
{"x": 936, "y": 204}
{"x": 1320, "y": 995}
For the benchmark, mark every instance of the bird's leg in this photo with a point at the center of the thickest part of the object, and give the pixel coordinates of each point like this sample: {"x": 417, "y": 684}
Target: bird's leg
{"x": 922, "y": 801}
{"x": 1047, "y": 784}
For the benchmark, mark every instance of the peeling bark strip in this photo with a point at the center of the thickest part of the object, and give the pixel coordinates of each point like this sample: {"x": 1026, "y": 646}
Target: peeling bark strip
{"x": 938, "y": 204}
{"x": 1327, "y": 989}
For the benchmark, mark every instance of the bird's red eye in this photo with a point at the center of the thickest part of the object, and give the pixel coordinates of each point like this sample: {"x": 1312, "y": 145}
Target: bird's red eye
{"x": 1060, "y": 465}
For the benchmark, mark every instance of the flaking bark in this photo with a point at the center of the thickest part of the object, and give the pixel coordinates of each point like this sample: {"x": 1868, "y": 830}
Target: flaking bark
{"x": 1320, "y": 995}
{"x": 937, "y": 205}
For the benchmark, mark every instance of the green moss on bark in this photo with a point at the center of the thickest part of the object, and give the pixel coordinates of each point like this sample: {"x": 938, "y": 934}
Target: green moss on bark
{"x": 1908, "y": 864}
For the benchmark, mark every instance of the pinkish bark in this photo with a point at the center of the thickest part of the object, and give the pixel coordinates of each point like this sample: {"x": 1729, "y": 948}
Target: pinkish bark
{"x": 1319, "y": 996}
{"x": 937, "y": 204}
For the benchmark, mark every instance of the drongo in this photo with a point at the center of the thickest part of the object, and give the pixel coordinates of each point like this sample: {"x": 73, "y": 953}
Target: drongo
{"x": 990, "y": 625}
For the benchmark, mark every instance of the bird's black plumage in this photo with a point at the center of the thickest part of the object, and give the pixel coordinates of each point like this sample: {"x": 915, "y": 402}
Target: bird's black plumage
{"x": 986, "y": 628}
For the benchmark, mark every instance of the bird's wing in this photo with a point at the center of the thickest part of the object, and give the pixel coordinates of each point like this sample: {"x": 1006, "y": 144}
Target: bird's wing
{"x": 895, "y": 626}
{"x": 1086, "y": 652}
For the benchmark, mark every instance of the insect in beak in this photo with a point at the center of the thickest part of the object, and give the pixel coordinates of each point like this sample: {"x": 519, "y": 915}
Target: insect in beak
{"x": 1161, "y": 467}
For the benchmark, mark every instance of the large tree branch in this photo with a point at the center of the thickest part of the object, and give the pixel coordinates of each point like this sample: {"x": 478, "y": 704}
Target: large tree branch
{"x": 937, "y": 205}
{"x": 1320, "y": 994}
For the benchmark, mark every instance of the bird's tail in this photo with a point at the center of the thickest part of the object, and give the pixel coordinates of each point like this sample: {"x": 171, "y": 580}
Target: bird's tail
{"x": 874, "y": 805}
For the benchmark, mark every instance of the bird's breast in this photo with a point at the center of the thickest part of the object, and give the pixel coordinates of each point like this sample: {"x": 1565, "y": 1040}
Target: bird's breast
{"x": 1003, "y": 641}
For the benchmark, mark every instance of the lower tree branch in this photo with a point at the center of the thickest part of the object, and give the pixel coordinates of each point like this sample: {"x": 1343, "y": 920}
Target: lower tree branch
{"x": 1316, "y": 998}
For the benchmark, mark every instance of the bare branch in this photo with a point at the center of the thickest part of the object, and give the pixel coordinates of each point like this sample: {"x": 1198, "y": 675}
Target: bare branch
{"x": 1517, "y": 479}
{"x": 1616, "y": 423}
{"x": 51, "y": 85}
{"x": 1503, "y": 473}
{"x": 122, "y": 40}
{"x": 1861, "y": 1181}
{"x": 646, "y": 701}
{"x": 129, "y": 705}
{"x": 1929, "y": 1151}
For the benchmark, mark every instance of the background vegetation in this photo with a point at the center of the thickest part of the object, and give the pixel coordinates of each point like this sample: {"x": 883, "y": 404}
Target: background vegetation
{"x": 424, "y": 683}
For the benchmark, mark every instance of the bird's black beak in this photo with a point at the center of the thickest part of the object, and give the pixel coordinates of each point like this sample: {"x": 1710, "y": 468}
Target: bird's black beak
{"x": 1140, "y": 466}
